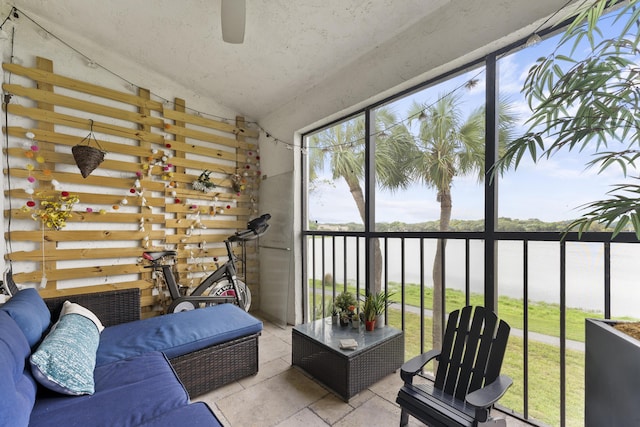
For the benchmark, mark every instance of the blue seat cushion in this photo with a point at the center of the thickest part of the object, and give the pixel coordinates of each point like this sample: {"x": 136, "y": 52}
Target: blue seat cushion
{"x": 177, "y": 333}
{"x": 128, "y": 392}
{"x": 195, "y": 415}
{"x": 17, "y": 386}
{"x": 30, "y": 312}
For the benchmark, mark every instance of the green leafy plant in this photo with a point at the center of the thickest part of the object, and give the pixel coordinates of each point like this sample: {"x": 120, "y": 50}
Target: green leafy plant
{"x": 589, "y": 101}
{"x": 369, "y": 308}
{"x": 382, "y": 300}
{"x": 344, "y": 301}
{"x": 331, "y": 308}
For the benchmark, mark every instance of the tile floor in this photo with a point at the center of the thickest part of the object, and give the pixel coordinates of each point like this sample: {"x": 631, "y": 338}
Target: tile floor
{"x": 281, "y": 395}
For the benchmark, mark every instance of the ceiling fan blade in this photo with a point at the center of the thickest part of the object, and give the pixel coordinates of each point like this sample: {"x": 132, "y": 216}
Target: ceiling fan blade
{"x": 233, "y": 13}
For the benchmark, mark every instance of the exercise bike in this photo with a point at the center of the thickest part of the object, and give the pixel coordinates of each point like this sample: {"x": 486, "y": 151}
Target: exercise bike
{"x": 221, "y": 286}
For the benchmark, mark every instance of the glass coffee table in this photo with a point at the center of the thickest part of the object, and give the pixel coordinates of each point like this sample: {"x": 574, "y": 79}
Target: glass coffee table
{"x": 316, "y": 349}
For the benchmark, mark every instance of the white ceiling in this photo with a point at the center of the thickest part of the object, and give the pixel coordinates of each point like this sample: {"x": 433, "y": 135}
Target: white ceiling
{"x": 289, "y": 46}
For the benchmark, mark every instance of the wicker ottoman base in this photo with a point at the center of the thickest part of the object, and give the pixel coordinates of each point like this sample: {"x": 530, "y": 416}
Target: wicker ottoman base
{"x": 316, "y": 349}
{"x": 212, "y": 367}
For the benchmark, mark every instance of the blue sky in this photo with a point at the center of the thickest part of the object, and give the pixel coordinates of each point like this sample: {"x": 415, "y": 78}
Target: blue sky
{"x": 551, "y": 190}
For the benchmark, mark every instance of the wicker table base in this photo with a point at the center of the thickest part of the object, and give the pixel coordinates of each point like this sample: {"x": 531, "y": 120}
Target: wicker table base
{"x": 316, "y": 349}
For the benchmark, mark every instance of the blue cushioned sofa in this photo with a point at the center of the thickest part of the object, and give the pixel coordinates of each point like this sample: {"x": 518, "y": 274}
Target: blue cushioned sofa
{"x": 144, "y": 372}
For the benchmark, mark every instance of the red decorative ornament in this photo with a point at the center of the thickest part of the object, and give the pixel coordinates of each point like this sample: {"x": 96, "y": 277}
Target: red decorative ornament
{"x": 31, "y": 203}
{"x": 176, "y": 200}
{"x": 167, "y": 145}
{"x": 132, "y": 190}
{"x": 228, "y": 206}
{"x": 65, "y": 194}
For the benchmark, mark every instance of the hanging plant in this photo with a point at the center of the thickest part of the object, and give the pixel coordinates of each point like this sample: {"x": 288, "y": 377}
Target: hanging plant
{"x": 88, "y": 158}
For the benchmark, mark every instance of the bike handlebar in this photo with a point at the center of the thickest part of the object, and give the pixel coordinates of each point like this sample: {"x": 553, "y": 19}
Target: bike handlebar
{"x": 255, "y": 228}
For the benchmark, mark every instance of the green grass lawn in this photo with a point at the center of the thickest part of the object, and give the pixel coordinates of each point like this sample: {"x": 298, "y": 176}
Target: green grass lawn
{"x": 543, "y": 359}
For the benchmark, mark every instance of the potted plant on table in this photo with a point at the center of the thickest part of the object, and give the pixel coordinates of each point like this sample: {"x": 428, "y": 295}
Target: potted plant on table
{"x": 370, "y": 312}
{"x": 354, "y": 314}
{"x": 381, "y": 301}
{"x": 335, "y": 313}
{"x": 343, "y": 302}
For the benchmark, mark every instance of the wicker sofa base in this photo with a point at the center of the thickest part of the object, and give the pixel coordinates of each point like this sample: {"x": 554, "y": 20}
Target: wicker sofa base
{"x": 212, "y": 367}
{"x": 200, "y": 371}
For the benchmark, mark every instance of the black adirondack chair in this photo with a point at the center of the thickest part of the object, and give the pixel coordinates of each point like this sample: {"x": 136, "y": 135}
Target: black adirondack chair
{"x": 468, "y": 381}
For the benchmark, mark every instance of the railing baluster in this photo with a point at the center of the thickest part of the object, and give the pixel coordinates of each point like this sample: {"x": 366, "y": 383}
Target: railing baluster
{"x": 607, "y": 280}
{"x": 422, "y": 334}
{"x": 525, "y": 324}
{"x": 563, "y": 332}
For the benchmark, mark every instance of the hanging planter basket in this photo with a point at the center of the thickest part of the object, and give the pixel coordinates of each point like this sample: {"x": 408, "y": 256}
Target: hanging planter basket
{"x": 88, "y": 158}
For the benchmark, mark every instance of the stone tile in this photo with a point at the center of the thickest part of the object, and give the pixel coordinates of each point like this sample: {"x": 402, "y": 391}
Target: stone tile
{"x": 374, "y": 412}
{"x": 219, "y": 415}
{"x": 271, "y": 401}
{"x": 215, "y": 395}
{"x": 361, "y": 397}
{"x": 331, "y": 408}
{"x": 272, "y": 347}
{"x": 304, "y": 418}
{"x": 388, "y": 387}
{"x": 266, "y": 371}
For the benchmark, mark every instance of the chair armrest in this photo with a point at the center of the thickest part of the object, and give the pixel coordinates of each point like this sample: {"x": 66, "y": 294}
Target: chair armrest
{"x": 411, "y": 367}
{"x": 490, "y": 393}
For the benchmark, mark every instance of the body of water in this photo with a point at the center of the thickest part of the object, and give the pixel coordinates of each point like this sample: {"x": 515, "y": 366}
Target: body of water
{"x": 584, "y": 269}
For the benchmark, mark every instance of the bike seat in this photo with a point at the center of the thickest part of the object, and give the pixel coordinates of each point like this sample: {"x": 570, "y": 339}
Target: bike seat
{"x": 156, "y": 255}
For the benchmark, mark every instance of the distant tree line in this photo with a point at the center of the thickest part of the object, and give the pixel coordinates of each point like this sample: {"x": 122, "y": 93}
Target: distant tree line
{"x": 504, "y": 224}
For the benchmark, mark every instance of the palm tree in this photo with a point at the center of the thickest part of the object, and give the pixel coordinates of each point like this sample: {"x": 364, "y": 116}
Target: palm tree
{"x": 343, "y": 146}
{"x": 448, "y": 146}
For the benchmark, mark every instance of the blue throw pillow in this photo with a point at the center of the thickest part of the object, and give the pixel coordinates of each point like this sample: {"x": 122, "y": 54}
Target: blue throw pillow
{"x": 65, "y": 360}
{"x": 28, "y": 310}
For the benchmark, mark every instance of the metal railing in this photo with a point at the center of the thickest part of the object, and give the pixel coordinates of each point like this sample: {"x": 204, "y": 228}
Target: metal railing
{"x": 547, "y": 281}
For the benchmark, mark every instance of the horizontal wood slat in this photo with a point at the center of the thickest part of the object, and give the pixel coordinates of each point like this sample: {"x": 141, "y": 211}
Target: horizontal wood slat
{"x": 76, "y": 254}
{"x": 80, "y": 272}
{"x": 85, "y": 106}
{"x": 213, "y": 124}
{"x": 80, "y": 86}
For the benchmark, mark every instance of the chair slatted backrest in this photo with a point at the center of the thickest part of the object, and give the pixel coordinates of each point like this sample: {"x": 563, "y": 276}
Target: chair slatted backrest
{"x": 472, "y": 351}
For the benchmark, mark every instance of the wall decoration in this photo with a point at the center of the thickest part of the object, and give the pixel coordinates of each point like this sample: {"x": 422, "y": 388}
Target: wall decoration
{"x": 203, "y": 183}
{"x": 88, "y": 158}
{"x": 141, "y": 197}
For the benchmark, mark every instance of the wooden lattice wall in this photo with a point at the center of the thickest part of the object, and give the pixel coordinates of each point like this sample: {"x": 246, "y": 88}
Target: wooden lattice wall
{"x": 140, "y": 197}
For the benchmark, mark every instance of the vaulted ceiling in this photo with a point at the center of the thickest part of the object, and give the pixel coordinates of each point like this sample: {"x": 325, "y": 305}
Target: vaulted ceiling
{"x": 289, "y": 45}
